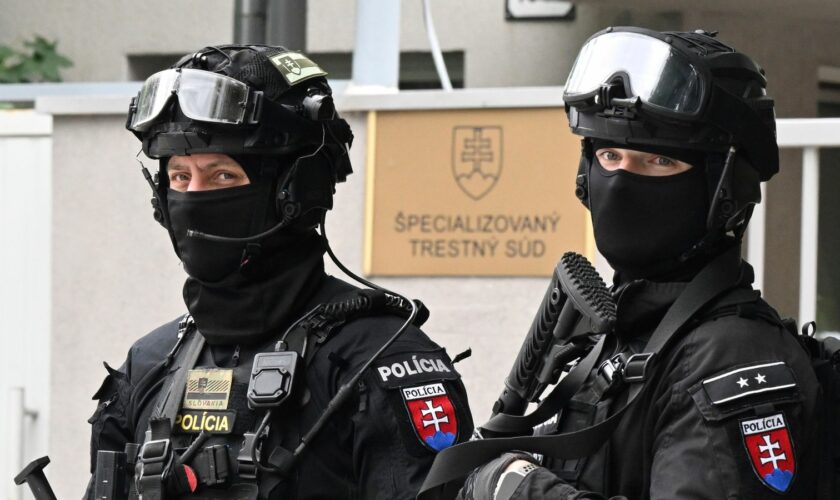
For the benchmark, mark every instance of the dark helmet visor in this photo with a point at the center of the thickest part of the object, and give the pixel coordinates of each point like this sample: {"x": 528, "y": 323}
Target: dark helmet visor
{"x": 652, "y": 70}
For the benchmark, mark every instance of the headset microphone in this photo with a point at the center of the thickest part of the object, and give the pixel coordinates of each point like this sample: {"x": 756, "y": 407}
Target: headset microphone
{"x": 192, "y": 233}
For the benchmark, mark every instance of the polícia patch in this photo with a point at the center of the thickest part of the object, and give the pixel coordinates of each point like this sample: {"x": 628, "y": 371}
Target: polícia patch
{"x": 405, "y": 369}
{"x": 432, "y": 415}
{"x": 770, "y": 448}
{"x": 213, "y": 422}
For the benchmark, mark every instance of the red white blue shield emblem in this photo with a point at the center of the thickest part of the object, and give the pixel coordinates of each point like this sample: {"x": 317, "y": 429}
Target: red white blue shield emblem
{"x": 770, "y": 448}
{"x": 432, "y": 414}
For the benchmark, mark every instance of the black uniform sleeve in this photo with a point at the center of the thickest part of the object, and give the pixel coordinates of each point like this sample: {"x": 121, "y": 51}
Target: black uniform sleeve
{"x": 729, "y": 419}
{"x": 411, "y": 404}
{"x": 115, "y": 418}
{"x": 738, "y": 421}
{"x": 110, "y": 427}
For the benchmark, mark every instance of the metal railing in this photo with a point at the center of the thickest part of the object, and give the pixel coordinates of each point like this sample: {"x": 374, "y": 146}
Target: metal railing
{"x": 810, "y": 134}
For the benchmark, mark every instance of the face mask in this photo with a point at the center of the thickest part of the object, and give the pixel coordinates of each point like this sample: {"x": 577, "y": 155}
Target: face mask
{"x": 224, "y": 212}
{"x": 643, "y": 225}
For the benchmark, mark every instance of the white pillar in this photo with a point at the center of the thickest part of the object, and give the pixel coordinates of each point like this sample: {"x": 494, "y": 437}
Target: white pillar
{"x": 25, "y": 289}
{"x": 756, "y": 239}
{"x": 376, "y": 56}
{"x": 808, "y": 246}
{"x": 14, "y": 437}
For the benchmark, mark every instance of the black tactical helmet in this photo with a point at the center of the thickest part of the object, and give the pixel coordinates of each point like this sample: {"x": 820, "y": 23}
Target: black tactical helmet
{"x": 247, "y": 101}
{"x": 642, "y": 89}
{"x": 236, "y": 99}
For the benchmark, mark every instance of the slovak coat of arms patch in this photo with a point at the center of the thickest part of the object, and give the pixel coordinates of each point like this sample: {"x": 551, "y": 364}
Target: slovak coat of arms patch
{"x": 770, "y": 448}
{"x": 432, "y": 414}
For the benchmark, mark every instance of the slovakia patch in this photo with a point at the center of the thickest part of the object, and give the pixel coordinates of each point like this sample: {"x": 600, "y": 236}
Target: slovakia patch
{"x": 770, "y": 448}
{"x": 432, "y": 414}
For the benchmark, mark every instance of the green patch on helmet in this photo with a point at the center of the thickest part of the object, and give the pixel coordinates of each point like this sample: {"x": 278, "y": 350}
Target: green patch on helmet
{"x": 296, "y": 67}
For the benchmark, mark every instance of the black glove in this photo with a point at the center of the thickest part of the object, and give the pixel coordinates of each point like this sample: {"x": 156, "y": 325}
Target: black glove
{"x": 482, "y": 482}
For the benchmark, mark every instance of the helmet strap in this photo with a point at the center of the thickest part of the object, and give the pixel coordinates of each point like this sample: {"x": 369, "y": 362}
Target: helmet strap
{"x": 582, "y": 177}
{"x": 158, "y": 184}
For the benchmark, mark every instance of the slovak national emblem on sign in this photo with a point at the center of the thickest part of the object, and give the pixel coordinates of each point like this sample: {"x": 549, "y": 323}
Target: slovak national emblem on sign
{"x": 770, "y": 449}
{"x": 476, "y": 159}
{"x": 432, "y": 414}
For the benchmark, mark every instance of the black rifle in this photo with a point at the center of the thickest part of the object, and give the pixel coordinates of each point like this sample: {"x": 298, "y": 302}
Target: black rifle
{"x": 33, "y": 475}
{"x": 112, "y": 473}
{"x": 576, "y": 304}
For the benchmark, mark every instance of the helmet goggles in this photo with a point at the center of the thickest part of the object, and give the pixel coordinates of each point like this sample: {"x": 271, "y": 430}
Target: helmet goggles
{"x": 662, "y": 78}
{"x": 676, "y": 89}
{"x": 202, "y": 96}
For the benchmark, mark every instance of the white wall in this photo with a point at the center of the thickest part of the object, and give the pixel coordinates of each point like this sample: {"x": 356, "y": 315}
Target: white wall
{"x": 497, "y": 52}
{"x": 25, "y": 275}
{"x": 115, "y": 276}
{"x": 98, "y": 35}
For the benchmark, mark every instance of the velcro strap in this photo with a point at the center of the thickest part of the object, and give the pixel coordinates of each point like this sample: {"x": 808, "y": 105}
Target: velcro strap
{"x": 211, "y": 465}
{"x": 247, "y": 468}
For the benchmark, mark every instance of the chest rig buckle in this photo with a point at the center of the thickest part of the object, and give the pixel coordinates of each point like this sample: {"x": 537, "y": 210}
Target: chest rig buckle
{"x": 622, "y": 369}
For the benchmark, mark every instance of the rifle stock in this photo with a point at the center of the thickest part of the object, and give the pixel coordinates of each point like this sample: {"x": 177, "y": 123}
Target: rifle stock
{"x": 576, "y": 300}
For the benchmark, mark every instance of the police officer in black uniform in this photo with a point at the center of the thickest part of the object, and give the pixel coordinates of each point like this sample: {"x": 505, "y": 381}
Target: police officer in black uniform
{"x": 281, "y": 381}
{"x": 677, "y": 134}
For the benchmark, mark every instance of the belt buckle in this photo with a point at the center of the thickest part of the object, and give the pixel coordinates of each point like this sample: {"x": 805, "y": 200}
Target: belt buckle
{"x": 610, "y": 367}
{"x": 146, "y": 455}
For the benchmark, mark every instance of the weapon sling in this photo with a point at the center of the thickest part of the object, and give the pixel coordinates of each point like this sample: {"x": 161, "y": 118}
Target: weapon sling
{"x": 156, "y": 453}
{"x": 453, "y": 464}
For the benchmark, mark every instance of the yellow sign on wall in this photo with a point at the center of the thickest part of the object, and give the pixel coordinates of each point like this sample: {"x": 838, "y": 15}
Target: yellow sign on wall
{"x": 471, "y": 193}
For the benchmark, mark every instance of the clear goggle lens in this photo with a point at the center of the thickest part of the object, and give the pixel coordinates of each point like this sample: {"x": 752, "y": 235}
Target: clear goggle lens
{"x": 659, "y": 75}
{"x": 202, "y": 96}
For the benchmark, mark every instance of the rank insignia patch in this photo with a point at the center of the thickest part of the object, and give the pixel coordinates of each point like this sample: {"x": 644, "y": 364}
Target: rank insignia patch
{"x": 761, "y": 378}
{"x": 770, "y": 449}
{"x": 208, "y": 389}
{"x": 432, "y": 414}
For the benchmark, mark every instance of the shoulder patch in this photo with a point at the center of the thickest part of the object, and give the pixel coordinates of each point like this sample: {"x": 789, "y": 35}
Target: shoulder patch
{"x": 749, "y": 380}
{"x": 296, "y": 67}
{"x": 406, "y": 369}
{"x": 769, "y": 446}
{"x": 433, "y": 415}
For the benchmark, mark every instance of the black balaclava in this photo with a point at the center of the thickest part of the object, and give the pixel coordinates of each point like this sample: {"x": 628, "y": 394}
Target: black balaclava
{"x": 237, "y": 292}
{"x": 646, "y": 226}
{"x": 293, "y": 146}
{"x": 225, "y": 212}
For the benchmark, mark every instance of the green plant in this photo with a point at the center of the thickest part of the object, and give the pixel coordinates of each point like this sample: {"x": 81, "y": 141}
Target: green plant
{"x": 38, "y": 62}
